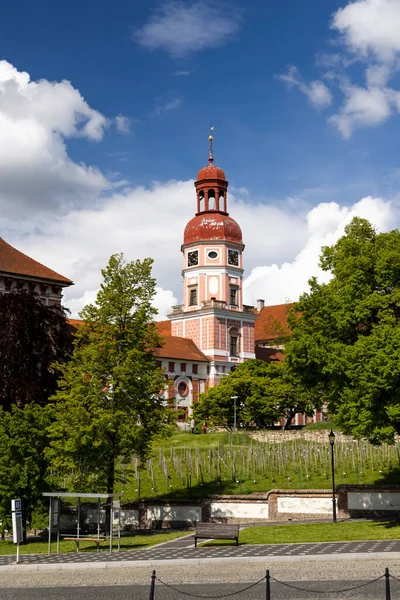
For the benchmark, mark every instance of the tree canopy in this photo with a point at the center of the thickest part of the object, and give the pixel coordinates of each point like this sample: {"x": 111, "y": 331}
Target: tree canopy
{"x": 107, "y": 406}
{"x": 265, "y": 392}
{"x": 32, "y": 337}
{"x": 23, "y": 466}
{"x": 345, "y": 342}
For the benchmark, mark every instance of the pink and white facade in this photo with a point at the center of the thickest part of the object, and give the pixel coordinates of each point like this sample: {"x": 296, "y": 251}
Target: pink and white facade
{"x": 212, "y": 313}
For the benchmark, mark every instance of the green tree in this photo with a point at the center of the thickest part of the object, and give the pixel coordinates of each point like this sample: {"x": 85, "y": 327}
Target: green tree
{"x": 265, "y": 392}
{"x": 107, "y": 405}
{"x": 23, "y": 466}
{"x": 345, "y": 342}
{"x": 32, "y": 337}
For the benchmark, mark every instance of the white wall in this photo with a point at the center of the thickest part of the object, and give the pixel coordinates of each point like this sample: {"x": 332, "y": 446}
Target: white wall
{"x": 240, "y": 510}
{"x": 163, "y": 512}
{"x": 129, "y": 517}
{"x": 373, "y": 500}
{"x": 318, "y": 506}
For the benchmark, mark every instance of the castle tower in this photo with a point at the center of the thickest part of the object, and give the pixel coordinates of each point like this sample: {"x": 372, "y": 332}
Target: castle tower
{"x": 213, "y": 314}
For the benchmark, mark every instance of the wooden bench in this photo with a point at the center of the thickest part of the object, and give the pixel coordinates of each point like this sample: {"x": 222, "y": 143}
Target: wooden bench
{"x": 77, "y": 541}
{"x": 216, "y": 531}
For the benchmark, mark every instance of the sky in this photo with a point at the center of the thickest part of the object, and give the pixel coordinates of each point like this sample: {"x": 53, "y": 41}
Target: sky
{"x": 105, "y": 112}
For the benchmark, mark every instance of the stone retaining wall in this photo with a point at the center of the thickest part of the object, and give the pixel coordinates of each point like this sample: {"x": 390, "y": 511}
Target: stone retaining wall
{"x": 275, "y": 505}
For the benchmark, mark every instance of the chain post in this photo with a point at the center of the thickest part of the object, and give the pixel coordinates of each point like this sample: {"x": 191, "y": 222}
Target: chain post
{"x": 267, "y": 585}
{"x": 152, "y": 585}
{"x": 387, "y": 583}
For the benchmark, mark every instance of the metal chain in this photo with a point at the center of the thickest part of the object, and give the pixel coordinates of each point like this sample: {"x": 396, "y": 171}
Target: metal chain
{"x": 355, "y": 587}
{"x": 394, "y": 577}
{"x": 218, "y": 596}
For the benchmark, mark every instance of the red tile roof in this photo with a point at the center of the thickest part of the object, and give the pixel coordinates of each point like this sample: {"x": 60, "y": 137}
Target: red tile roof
{"x": 14, "y": 262}
{"x": 174, "y": 347}
{"x": 180, "y": 349}
{"x": 269, "y": 354}
{"x": 164, "y": 327}
{"x": 272, "y": 322}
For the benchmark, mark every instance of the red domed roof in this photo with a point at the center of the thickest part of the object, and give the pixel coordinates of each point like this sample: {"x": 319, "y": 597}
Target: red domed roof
{"x": 212, "y": 226}
{"x": 210, "y": 172}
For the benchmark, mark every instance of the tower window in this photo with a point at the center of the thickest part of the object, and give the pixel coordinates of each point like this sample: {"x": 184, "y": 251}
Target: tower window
{"x": 211, "y": 200}
{"x": 233, "y": 294}
{"x": 193, "y": 297}
{"x": 234, "y": 342}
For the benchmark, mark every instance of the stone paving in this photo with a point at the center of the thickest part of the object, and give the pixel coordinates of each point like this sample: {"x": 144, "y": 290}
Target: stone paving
{"x": 183, "y": 548}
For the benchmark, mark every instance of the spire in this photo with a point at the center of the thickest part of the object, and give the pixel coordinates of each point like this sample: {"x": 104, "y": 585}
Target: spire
{"x": 210, "y": 154}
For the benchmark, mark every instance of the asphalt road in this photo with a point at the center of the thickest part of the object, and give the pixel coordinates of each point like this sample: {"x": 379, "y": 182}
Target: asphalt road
{"x": 311, "y": 589}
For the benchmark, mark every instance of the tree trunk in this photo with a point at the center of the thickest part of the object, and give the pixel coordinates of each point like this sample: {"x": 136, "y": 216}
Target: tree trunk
{"x": 289, "y": 419}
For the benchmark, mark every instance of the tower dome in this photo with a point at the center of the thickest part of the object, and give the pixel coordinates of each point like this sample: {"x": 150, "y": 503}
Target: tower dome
{"x": 212, "y": 225}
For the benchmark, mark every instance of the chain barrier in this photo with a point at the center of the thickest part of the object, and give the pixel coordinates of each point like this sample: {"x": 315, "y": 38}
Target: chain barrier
{"x": 268, "y": 579}
{"x": 211, "y": 597}
{"x": 349, "y": 589}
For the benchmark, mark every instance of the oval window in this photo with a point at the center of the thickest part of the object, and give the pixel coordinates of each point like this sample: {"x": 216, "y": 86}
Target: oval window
{"x": 213, "y": 254}
{"x": 183, "y": 389}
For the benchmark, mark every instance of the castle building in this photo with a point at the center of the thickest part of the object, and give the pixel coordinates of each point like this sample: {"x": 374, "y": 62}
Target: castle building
{"x": 212, "y": 330}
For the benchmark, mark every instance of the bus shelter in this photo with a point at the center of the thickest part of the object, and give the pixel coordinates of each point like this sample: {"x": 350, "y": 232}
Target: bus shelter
{"x": 104, "y": 501}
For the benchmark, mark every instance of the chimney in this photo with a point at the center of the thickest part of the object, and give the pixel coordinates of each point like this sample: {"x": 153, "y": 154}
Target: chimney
{"x": 260, "y": 304}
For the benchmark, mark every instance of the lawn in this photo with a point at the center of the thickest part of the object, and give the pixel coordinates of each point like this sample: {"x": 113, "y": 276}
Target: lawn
{"x": 318, "y": 532}
{"x": 187, "y": 465}
{"x": 137, "y": 542}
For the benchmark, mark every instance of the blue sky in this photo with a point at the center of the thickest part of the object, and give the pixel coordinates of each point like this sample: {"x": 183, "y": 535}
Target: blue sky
{"x": 303, "y": 97}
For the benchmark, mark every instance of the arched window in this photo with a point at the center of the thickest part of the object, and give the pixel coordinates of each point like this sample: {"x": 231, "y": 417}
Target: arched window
{"x": 221, "y": 200}
{"x": 211, "y": 200}
{"x": 234, "y": 345}
{"x": 201, "y": 201}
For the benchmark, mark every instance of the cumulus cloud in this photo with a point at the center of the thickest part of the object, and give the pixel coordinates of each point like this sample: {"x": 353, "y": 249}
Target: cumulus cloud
{"x": 325, "y": 224}
{"x": 179, "y": 28}
{"x": 35, "y": 119}
{"x": 316, "y": 91}
{"x": 368, "y": 32}
{"x": 370, "y": 27}
{"x": 139, "y": 223}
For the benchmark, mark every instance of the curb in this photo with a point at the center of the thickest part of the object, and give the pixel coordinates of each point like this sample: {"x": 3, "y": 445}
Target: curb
{"x": 203, "y": 561}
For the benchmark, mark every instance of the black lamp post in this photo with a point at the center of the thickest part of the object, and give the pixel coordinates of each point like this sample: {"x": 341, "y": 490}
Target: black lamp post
{"x": 332, "y": 443}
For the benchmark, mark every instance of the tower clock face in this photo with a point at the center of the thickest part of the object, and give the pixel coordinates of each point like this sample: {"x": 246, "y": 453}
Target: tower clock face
{"x": 233, "y": 258}
{"x": 193, "y": 258}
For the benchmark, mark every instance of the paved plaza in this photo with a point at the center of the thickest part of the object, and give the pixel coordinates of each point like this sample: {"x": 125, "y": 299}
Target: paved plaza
{"x": 183, "y": 549}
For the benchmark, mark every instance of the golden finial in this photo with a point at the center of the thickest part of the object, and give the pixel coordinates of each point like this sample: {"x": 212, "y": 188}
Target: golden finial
{"x": 210, "y": 155}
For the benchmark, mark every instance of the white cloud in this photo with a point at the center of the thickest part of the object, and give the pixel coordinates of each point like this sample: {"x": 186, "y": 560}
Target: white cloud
{"x": 316, "y": 91}
{"x": 123, "y": 124}
{"x": 36, "y": 172}
{"x": 147, "y": 222}
{"x": 362, "y": 107}
{"x": 325, "y": 224}
{"x": 370, "y": 27}
{"x": 168, "y": 106}
{"x": 179, "y": 28}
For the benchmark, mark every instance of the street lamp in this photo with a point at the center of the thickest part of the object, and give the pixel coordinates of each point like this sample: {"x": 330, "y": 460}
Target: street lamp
{"x": 332, "y": 443}
{"x": 234, "y": 398}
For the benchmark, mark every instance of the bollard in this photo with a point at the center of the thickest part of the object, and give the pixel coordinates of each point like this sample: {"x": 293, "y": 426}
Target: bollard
{"x": 152, "y": 585}
{"x": 387, "y": 583}
{"x": 267, "y": 586}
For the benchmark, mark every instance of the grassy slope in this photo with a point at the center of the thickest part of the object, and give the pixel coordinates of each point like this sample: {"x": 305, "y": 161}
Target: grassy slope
{"x": 138, "y": 542}
{"x": 292, "y": 475}
{"x": 318, "y": 532}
